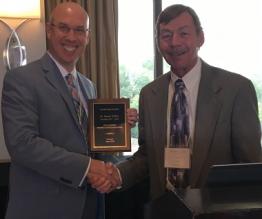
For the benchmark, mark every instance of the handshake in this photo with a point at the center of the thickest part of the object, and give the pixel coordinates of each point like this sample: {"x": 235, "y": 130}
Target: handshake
{"x": 104, "y": 177}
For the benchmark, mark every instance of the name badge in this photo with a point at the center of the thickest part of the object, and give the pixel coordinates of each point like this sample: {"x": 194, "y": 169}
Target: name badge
{"x": 177, "y": 158}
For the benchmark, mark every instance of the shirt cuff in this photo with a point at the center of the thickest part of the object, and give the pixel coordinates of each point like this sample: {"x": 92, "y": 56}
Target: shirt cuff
{"x": 120, "y": 177}
{"x": 86, "y": 172}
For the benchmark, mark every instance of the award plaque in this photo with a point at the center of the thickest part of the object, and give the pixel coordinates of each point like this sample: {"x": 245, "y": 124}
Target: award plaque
{"x": 108, "y": 127}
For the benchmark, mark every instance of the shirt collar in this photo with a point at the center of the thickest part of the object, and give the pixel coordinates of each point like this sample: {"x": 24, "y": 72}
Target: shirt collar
{"x": 191, "y": 77}
{"x": 62, "y": 70}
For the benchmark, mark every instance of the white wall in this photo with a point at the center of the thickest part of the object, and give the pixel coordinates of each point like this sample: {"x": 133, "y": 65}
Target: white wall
{"x": 32, "y": 35}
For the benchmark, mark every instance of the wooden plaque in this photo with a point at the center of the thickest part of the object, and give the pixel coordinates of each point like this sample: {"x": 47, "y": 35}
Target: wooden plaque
{"x": 108, "y": 127}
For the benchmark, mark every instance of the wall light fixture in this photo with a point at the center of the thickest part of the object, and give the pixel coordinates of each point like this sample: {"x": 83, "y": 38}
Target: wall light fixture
{"x": 14, "y": 53}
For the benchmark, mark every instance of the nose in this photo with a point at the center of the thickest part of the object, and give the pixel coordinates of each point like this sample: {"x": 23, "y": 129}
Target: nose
{"x": 71, "y": 35}
{"x": 176, "y": 39}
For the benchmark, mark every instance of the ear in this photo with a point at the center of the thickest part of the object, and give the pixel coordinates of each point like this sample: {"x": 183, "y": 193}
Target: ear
{"x": 87, "y": 37}
{"x": 48, "y": 30}
{"x": 201, "y": 38}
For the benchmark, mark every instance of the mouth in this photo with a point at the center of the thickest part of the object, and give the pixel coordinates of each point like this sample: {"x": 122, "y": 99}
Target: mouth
{"x": 69, "y": 48}
{"x": 177, "y": 51}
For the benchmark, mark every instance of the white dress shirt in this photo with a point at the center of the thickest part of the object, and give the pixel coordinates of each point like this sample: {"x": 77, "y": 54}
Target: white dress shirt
{"x": 191, "y": 81}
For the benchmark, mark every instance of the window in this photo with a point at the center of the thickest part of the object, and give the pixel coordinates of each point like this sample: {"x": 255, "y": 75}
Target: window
{"x": 136, "y": 65}
{"x": 233, "y": 36}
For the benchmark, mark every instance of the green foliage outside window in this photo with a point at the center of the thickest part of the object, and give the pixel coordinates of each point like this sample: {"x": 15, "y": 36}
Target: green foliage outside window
{"x": 258, "y": 87}
{"x": 132, "y": 82}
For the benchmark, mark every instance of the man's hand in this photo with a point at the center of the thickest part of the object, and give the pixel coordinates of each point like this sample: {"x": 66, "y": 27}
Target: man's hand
{"x": 132, "y": 117}
{"x": 98, "y": 176}
{"x": 115, "y": 178}
{"x": 103, "y": 177}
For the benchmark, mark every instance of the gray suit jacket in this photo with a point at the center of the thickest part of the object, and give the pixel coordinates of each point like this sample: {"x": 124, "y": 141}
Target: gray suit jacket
{"x": 227, "y": 128}
{"x": 49, "y": 153}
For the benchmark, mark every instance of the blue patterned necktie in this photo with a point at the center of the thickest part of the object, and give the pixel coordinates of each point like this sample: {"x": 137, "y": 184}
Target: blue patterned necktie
{"x": 179, "y": 128}
{"x": 80, "y": 111}
{"x": 179, "y": 116}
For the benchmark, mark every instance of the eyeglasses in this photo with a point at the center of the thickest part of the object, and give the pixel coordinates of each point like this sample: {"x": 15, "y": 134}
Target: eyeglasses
{"x": 65, "y": 29}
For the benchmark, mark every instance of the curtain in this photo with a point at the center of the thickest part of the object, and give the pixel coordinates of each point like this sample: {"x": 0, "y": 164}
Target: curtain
{"x": 103, "y": 50}
{"x": 100, "y": 60}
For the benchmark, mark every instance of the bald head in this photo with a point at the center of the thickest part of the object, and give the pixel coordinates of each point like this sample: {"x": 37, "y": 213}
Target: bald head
{"x": 69, "y": 9}
{"x": 67, "y": 33}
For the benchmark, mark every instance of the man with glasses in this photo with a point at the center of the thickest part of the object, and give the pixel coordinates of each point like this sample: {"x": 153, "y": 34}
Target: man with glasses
{"x": 63, "y": 28}
{"x": 44, "y": 109}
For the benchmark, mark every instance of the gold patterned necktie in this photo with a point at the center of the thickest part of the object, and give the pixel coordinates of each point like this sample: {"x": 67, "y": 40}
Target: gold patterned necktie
{"x": 179, "y": 129}
{"x": 80, "y": 111}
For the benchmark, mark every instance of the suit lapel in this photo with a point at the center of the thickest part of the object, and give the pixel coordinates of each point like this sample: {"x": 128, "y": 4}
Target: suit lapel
{"x": 158, "y": 117}
{"x": 207, "y": 113}
{"x": 54, "y": 77}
